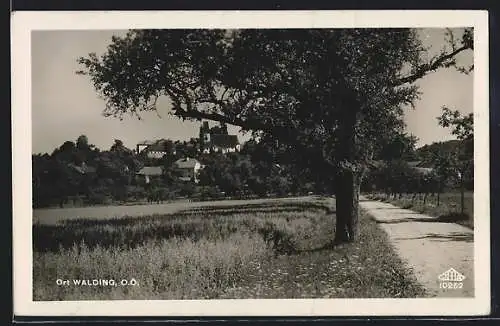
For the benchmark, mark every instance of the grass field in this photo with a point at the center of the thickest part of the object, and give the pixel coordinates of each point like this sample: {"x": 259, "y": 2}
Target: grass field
{"x": 273, "y": 249}
{"x": 448, "y": 209}
{"x": 56, "y": 215}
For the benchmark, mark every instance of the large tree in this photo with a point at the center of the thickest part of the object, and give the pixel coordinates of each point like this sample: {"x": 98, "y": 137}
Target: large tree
{"x": 329, "y": 95}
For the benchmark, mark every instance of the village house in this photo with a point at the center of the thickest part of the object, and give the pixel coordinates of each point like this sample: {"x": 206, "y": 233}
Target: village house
{"x": 153, "y": 149}
{"x": 148, "y": 174}
{"x": 222, "y": 143}
{"x": 188, "y": 169}
{"x": 217, "y": 140}
{"x": 420, "y": 167}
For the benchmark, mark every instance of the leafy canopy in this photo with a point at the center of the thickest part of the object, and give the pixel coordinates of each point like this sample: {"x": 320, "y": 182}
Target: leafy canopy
{"x": 462, "y": 125}
{"x": 295, "y": 85}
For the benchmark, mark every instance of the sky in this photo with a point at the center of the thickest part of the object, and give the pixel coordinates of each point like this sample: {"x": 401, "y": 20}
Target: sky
{"x": 65, "y": 105}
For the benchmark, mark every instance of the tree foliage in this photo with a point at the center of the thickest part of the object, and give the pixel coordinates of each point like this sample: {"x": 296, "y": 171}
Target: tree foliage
{"x": 244, "y": 77}
{"x": 462, "y": 126}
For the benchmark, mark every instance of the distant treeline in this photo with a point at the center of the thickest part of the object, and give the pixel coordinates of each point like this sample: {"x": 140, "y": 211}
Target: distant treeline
{"x": 79, "y": 173}
{"x": 439, "y": 167}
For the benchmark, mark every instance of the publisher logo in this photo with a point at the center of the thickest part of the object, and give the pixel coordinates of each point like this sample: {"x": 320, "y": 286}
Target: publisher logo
{"x": 451, "y": 279}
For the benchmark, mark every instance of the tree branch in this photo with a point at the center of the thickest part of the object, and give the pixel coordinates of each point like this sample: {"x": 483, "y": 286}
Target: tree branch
{"x": 246, "y": 124}
{"x": 282, "y": 132}
{"x": 428, "y": 67}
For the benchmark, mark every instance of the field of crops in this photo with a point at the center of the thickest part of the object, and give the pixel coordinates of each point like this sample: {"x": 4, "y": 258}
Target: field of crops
{"x": 56, "y": 215}
{"x": 267, "y": 249}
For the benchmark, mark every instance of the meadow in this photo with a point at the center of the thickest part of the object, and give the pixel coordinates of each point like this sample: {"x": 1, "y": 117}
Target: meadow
{"x": 275, "y": 249}
{"x": 448, "y": 209}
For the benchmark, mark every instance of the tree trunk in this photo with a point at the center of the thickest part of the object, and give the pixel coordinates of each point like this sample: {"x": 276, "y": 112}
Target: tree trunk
{"x": 347, "y": 206}
{"x": 348, "y": 176}
{"x": 462, "y": 196}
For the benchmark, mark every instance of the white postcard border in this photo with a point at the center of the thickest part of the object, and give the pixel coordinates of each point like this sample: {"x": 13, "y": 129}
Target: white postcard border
{"x": 23, "y": 23}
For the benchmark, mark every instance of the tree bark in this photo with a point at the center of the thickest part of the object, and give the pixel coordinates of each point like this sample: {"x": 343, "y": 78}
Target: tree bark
{"x": 347, "y": 206}
{"x": 348, "y": 176}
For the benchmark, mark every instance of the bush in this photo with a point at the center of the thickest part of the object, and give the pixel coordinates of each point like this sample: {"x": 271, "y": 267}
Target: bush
{"x": 99, "y": 199}
{"x": 187, "y": 189}
{"x": 136, "y": 192}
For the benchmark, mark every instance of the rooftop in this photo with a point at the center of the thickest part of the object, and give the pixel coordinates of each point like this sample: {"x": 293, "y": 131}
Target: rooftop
{"x": 151, "y": 171}
{"x": 186, "y": 163}
{"x": 222, "y": 140}
{"x": 424, "y": 170}
{"x": 156, "y": 146}
{"x": 146, "y": 142}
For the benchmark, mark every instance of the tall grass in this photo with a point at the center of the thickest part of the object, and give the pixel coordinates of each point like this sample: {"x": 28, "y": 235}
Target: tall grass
{"x": 256, "y": 251}
{"x": 170, "y": 269}
{"x": 195, "y": 254}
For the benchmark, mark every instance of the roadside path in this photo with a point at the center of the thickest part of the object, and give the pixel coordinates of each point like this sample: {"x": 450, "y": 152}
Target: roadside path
{"x": 429, "y": 247}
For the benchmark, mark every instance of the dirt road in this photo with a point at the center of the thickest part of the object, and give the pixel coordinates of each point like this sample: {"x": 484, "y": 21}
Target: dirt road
{"x": 429, "y": 247}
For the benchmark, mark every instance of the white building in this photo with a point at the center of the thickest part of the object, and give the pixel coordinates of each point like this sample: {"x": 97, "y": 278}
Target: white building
{"x": 217, "y": 141}
{"x": 153, "y": 149}
{"x": 189, "y": 169}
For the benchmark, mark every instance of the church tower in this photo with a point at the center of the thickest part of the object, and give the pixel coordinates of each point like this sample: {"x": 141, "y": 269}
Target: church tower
{"x": 204, "y": 133}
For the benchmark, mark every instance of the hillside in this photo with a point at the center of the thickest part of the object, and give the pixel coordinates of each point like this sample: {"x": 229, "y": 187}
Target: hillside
{"x": 426, "y": 152}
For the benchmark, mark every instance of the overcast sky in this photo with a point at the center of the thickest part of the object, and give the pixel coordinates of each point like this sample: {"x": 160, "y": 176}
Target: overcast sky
{"x": 65, "y": 105}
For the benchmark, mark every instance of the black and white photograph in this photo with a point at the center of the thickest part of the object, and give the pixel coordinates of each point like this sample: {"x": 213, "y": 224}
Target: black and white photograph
{"x": 251, "y": 164}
